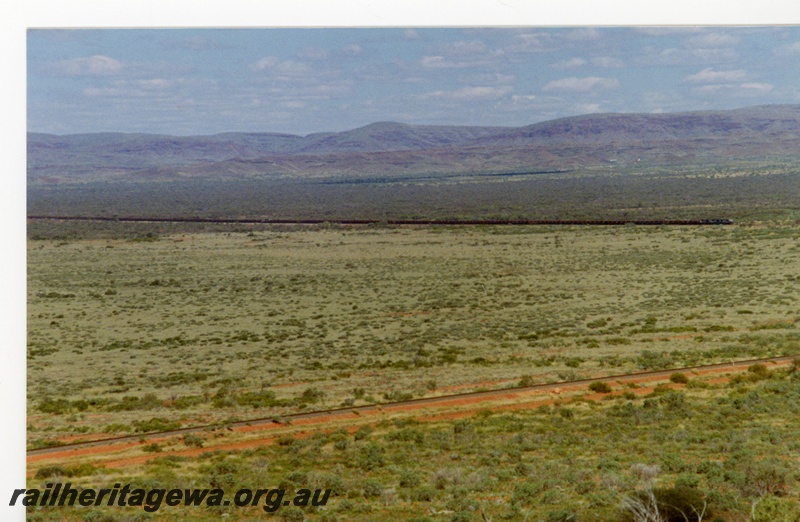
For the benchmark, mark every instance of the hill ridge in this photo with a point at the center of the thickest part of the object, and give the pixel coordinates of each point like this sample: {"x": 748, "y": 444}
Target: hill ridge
{"x": 394, "y": 147}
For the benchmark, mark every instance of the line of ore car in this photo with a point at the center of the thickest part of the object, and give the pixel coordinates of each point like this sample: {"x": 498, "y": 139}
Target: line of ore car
{"x": 399, "y": 221}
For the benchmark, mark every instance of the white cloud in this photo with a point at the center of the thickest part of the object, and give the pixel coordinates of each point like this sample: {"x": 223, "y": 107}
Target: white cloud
{"x": 586, "y": 108}
{"x": 587, "y": 84}
{"x": 155, "y": 84}
{"x": 471, "y": 93}
{"x": 309, "y": 90}
{"x": 528, "y": 43}
{"x": 583, "y": 34}
{"x": 709, "y": 75}
{"x": 608, "y": 62}
{"x": 102, "y": 91}
{"x": 491, "y": 78}
{"x": 282, "y": 70}
{"x": 459, "y": 54}
{"x": 481, "y": 93}
{"x": 711, "y": 89}
{"x": 434, "y": 62}
{"x": 352, "y": 50}
{"x": 97, "y": 65}
{"x": 713, "y": 55}
{"x": 440, "y": 62}
{"x": 763, "y": 87}
{"x": 152, "y": 88}
{"x": 733, "y": 90}
{"x": 572, "y": 63}
{"x": 789, "y": 49}
{"x": 314, "y": 53}
{"x": 712, "y": 40}
{"x": 464, "y": 47}
{"x": 265, "y": 63}
{"x": 292, "y": 68}
{"x": 682, "y": 57}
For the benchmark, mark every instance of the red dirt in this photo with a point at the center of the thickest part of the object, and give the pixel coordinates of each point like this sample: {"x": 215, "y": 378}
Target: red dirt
{"x": 471, "y": 405}
{"x": 93, "y": 450}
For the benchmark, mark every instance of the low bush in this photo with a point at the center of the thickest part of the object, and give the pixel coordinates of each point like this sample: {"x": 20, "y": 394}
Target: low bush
{"x": 679, "y": 378}
{"x": 600, "y": 387}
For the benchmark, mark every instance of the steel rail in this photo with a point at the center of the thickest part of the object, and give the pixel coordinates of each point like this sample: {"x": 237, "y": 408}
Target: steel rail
{"x": 288, "y": 418}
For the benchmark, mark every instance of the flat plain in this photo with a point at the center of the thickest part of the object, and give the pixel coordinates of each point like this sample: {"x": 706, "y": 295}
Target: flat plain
{"x": 398, "y": 311}
{"x": 145, "y": 331}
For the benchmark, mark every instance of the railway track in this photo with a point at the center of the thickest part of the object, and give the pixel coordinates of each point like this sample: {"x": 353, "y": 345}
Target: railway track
{"x": 443, "y": 400}
{"x": 423, "y": 222}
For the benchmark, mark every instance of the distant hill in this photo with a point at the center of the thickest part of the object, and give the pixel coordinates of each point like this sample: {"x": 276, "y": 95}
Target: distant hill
{"x": 396, "y": 149}
{"x": 756, "y": 122}
{"x": 390, "y": 136}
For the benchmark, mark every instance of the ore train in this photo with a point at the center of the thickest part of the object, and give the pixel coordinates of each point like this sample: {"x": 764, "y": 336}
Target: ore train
{"x": 716, "y": 221}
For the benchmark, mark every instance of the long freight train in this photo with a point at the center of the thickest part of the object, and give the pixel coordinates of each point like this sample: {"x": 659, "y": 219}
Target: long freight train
{"x": 393, "y": 221}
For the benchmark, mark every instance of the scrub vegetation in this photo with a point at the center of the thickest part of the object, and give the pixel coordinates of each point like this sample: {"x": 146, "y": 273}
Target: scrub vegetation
{"x": 135, "y": 328}
{"x": 705, "y": 452}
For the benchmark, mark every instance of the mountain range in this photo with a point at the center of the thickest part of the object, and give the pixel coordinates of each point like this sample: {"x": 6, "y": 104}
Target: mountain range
{"x": 394, "y": 150}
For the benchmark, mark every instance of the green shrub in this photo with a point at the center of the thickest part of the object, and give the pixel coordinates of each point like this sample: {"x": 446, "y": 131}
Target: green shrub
{"x": 678, "y": 503}
{"x": 679, "y": 378}
{"x": 687, "y": 480}
{"x": 774, "y": 509}
{"x": 192, "y": 439}
{"x": 562, "y": 515}
{"x": 148, "y": 401}
{"x": 649, "y": 360}
{"x": 261, "y": 399}
{"x": 55, "y": 406}
{"x": 409, "y": 479}
{"x": 78, "y": 470}
{"x": 311, "y": 396}
{"x": 371, "y": 457}
{"x": 462, "y": 516}
{"x": 674, "y": 401}
{"x": 422, "y": 494}
{"x": 372, "y": 489}
{"x": 600, "y": 387}
{"x": 51, "y": 471}
{"x": 154, "y": 424}
{"x": 661, "y": 389}
{"x": 292, "y": 514}
{"x": 525, "y": 380}
{"x": 362, "y": 433}
{"x": 598, "y": 323}
{"x": 286, "y": 440}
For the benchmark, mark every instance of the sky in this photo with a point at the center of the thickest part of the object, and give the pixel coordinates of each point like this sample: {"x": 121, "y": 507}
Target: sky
{"x": 203, "y": 81}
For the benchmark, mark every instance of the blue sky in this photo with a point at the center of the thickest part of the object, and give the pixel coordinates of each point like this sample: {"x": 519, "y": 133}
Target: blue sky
{"x": 299, "y": 81}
